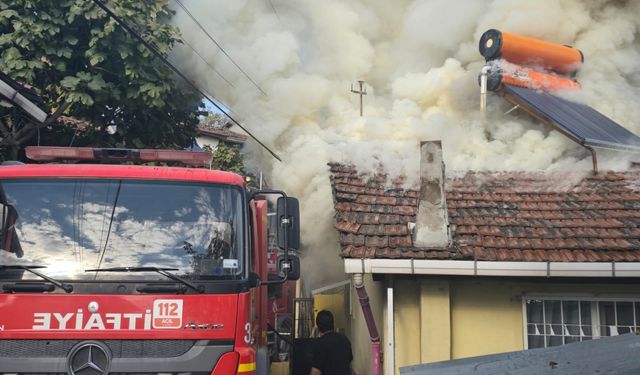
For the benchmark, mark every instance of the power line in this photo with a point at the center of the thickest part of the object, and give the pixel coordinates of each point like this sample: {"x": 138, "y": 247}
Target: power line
{"x": 206, "y": 62}
{"x": 215, "y": 71}
{"x": 275, "y": 11}
{"x": 159, "y": 55}
{"x": 219, "y": 46}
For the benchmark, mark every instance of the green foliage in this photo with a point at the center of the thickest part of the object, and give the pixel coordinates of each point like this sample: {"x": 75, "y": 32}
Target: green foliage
{"x": 226, "y": 158}
{"x": 217, "y": 120}
{"x": 73, "y": 54}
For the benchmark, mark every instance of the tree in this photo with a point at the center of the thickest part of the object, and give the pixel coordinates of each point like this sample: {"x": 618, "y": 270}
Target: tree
{"x": 226, "y": 158}
{"x": 216, "y": 120}
{"x": 84, "y": 65}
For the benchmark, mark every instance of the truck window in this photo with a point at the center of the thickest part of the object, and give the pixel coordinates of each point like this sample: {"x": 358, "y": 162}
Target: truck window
{"x": 70, "y": 225}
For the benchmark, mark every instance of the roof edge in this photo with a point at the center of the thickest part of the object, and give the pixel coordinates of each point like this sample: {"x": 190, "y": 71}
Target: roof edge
{"x": 489, "y": 268}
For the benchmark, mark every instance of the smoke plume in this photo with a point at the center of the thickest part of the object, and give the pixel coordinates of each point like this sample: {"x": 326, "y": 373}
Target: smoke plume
{"x": 420, "y": 61}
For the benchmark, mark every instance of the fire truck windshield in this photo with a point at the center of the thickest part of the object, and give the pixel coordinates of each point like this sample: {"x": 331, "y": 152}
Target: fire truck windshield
{"x": 73, "y": 225}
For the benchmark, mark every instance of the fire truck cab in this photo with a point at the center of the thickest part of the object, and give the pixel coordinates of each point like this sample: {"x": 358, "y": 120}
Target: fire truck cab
{"x": 114, "y": 268}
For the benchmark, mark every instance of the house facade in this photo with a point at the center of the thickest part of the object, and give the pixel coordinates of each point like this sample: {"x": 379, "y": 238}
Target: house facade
{"x": 484, "y": 263}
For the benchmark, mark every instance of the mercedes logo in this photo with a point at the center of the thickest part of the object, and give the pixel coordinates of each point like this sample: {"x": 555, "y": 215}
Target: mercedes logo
{"x": 93, "y": 307}
{"x": 89, "y": 358}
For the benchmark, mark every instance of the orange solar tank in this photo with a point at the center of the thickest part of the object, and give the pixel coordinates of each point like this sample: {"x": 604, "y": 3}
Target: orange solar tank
{"x": 522, "y": 50}
{"x": 530, "y": 79}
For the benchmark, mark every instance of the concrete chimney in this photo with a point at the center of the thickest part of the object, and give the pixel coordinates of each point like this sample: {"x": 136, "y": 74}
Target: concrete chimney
{"x": 432, "y": 223}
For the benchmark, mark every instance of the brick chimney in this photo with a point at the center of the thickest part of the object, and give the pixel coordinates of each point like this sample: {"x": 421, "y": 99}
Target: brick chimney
{"x": 432, "y": 223}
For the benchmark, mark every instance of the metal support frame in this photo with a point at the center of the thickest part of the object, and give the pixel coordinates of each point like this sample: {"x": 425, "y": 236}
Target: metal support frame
{"x": 543, "y": 119}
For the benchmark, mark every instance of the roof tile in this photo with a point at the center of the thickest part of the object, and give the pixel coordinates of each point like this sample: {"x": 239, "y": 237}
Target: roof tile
{"x": 511, "y": 216}
{"x": 342, "y": 206}
{"x": 350, "y": 217}
{"x": 390, "y": 219}
{"x": 377, "y": 241}
{"x": 384, "y": 209}
{"x": 405, "y": 210}
{"x": 400, "y": 241}
{"x": 341, "y": 197}
{"x": 345, "y": 188}
{"x": 373, "y": 191}
{"x": 361, "y": 207}
{"x": 366, "y": 199}
{"x": 343, "y": 226}
{"x": 352, "y": 239}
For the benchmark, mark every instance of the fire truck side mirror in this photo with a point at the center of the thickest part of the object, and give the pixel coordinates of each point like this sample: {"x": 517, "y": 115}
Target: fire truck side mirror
{"x": 291, "y": 269}
{"x": 288, "y": 223}
{"x": 254, "y": 280}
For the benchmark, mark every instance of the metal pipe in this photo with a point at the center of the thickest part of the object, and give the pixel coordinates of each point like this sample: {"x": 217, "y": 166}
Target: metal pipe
{"x": 363, "y": 297}
{"x": 390, "y": 359}
{"x": 594, "y": 159}
{"x": 483, "y": 88}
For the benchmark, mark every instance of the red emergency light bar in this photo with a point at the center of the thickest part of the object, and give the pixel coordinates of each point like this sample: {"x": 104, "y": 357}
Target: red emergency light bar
{"x": 46, "y": 153}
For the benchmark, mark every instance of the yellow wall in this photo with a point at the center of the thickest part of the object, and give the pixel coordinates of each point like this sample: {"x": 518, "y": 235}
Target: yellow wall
{"x": 422, "y": 328}
{"x": 486, "y": 317}
{"x": 435, "y": 327}
{"x": 438, "y": 319}
{"x": 334, "y": 302}
{"x": 407, "y": 322}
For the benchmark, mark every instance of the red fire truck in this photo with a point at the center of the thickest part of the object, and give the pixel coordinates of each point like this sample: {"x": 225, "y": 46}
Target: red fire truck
{"x": 114, "y": 268}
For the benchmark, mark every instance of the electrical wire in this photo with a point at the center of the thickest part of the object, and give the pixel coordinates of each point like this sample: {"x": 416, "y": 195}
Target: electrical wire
{"x": 159, "y": 55}
{"x": 275, "y": 11}
{"x": 206, "y": 62}
{"x": 193, "y": 18}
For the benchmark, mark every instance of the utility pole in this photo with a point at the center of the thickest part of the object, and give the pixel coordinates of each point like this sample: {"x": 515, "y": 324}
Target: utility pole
{"x": 362, "y": 91}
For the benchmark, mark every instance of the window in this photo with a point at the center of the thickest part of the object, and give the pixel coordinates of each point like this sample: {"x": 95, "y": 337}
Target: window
{"x": 559, "y": 321}
{"x": 71, "y": 225}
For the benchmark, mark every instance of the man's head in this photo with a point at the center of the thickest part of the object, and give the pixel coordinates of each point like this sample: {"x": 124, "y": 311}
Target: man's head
{"x": 324, "y": 321}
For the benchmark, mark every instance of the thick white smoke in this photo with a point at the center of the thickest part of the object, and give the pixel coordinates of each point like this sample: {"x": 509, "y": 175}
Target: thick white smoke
{"x": 420, "y": 60}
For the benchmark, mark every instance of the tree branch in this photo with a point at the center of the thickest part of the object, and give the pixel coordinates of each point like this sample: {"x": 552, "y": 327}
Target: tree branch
{"x": 59, "y": 112}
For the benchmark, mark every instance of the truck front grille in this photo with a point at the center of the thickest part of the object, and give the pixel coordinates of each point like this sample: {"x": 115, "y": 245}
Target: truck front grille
{"x": 128, "y": 357}
{"x": 119, "y": 348}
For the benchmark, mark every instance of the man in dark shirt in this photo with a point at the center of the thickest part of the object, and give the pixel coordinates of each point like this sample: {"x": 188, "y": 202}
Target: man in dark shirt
{"x": 332, "y": 354}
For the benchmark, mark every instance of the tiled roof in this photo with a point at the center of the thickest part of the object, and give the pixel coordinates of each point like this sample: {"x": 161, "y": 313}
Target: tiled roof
{"x": 495, "y": 217}
{"x": 221, "y": 133}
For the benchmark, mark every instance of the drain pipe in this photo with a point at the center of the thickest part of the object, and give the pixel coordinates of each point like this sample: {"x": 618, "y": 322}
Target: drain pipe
{"x": 484, "y": 72}
{"x": 358, "y": 283}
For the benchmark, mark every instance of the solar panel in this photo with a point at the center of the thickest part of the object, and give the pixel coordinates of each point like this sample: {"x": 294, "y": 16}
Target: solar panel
{"x": 580, "y": 122}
